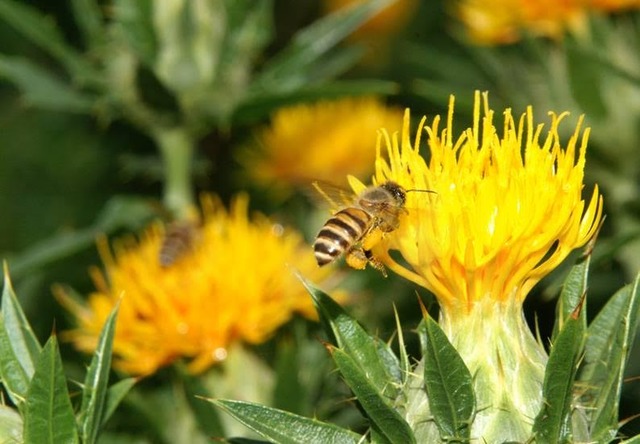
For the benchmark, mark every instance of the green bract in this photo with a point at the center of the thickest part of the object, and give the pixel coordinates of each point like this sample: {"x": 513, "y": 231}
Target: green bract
{"x": 35, "y": 381}
{"x": 574, "y": 397}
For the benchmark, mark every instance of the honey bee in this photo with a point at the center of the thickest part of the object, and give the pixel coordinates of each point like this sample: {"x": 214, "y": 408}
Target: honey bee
{"x": 355, "y": 228}
{"x": 179, "y": 238}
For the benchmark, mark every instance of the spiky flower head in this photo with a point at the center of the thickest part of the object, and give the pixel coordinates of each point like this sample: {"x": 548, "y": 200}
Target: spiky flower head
{"x": 233, "y": 284}
{"x": 507, "y": 208}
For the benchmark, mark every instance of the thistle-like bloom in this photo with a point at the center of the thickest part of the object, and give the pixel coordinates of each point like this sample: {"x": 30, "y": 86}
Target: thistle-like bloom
{"x": 322, "y": 141}
{"x": 233, "y": 284}
{"x": 505, "y": 21}
{"x": 506, "y": 210}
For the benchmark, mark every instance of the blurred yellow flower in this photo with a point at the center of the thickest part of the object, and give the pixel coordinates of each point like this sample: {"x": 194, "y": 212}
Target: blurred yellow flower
{"x": 507, "y": 208}
{"x": 505, "y": 21}
{"x": 321, "y": 141}
{"x": 235, "y": 284}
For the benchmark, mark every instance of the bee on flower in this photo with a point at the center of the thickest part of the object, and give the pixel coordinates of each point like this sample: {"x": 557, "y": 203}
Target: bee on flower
{"x": 219, "y": 291}
{"x": 509, "y": 210}
{"x": 357, "y": 227}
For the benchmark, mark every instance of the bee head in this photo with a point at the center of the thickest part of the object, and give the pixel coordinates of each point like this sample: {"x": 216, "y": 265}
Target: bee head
{"x": 398, "y": 193}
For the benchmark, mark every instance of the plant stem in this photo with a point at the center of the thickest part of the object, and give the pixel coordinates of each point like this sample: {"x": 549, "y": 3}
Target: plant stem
{"x": 177, "y": 148}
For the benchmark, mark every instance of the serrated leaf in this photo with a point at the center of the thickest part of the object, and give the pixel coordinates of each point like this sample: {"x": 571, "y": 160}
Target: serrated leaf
{"x": 43, "y": 32}
{"x": 10, "y": 425}
{"x": 284, "y": 427}
{"x": 357, "y": 343}
{"x": 573, "y": 290}
{"x": 13, "y": 377}
{"x": 609, "y": 340}
{"x": 94, "y": 391}
{"x": 448, "y": 384}
{"x": 553, "y": 423}
{"x": 115, "y": 394}
{"x": 41, "y": 88}
{"x": 292, "y": 67}
{"x": 384, "y": 418}
{"x": 48, "y": 415}
{"x": 390, "y": 362}
{"x": 19, "y": 347}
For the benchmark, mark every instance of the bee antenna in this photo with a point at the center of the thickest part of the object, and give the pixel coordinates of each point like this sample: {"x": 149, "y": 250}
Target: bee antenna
{"x": 420, "y": 191}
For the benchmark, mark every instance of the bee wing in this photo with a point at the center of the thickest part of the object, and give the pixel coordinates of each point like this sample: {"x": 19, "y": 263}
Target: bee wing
{"x": 325, "y": 194}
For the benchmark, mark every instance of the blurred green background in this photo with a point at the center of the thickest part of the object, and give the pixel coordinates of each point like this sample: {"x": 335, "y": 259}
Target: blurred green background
{"x": 75, "y": 161}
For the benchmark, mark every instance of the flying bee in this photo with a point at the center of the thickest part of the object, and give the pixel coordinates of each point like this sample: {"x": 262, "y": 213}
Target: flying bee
{"x": 179, "y": 238}
{"x": 354, "y": 229}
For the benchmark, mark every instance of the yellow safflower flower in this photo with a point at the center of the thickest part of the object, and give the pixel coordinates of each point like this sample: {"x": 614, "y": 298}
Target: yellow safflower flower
{"x": 506, "y": 210}
{"x": 234, "y": 285}
{"x": 499, "y": 219}
{"x": 321, "y": 141}
{"x": 505, "y": 21}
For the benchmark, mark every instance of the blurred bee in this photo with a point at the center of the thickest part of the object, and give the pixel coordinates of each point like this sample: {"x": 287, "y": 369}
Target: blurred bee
{"x": 179, "y": 238}
{"x": 354, "y": 229}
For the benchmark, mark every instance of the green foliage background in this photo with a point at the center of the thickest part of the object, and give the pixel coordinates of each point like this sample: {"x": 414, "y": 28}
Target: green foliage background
{"x": 74, "y": 164}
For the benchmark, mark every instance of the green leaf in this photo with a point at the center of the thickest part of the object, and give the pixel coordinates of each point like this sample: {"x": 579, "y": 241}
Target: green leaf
{"x": 553, "y": 423}
{"x": 206, "y": 415}
{"x": 94, "y": 391}
{"x": 367, "y": 352}
{"x": 19, "y": 347}
{"x": 287, "y": 394}
{"x": 284, "y": 427}
{"x": 135, "y": 23}
{"x": 294, "y": 65}
{"x": 609, "y": 340}
{"x": 89, "y": 20}
{"x": 48, "y": 415}
{"x": 245, "y": 441}
{"x": 585, "y": 76}
{"x": 448, "y": 384}
{"x": 248, "y": 29}
{"x": 573, "y": 290}
{"x": 10, "y": 425}
{"x": 115, "y": 394}
{"x": 384, "y": 418}
{"x": 41, "y": 88}
{"x": 403, "y": 365}
{"x": 119, "y": 212}
{"x": 43, "y": 32}
{"x": 634, "y": 440}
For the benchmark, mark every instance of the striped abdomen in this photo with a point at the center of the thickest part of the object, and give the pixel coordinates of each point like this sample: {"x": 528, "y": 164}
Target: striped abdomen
{"x": 341, "y": 232}
{"x": 178, "y": 240}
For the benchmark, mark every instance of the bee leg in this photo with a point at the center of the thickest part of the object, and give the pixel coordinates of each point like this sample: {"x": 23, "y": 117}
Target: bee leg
{"x": 356, "y": 258}
{"x": 375, "y": 263}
